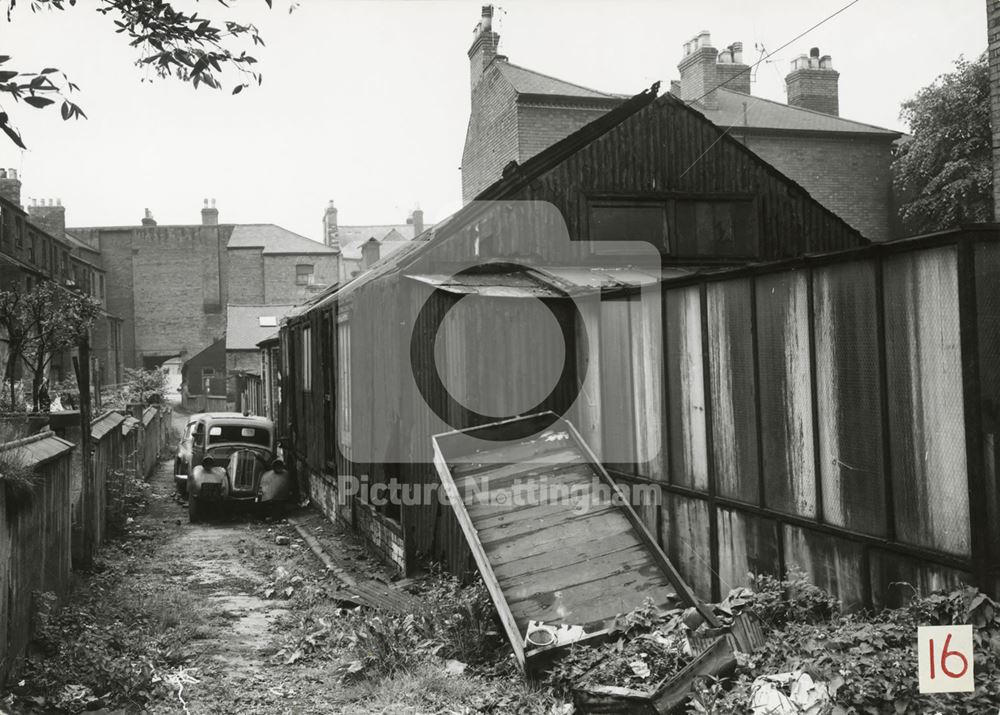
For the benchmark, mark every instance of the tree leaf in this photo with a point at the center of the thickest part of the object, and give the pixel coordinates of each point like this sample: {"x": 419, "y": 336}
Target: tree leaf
{"x": 11, "y": 132}
{"x": 238, "y": 88}
{"x": 38, "y": 102}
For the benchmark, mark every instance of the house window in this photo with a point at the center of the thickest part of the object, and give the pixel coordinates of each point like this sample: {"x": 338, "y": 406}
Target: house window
{"x": 31, "y": 247}
{"x": 307, "y": 359}
{"x": 304, "y": 274}
{"x": 100, "y": 286}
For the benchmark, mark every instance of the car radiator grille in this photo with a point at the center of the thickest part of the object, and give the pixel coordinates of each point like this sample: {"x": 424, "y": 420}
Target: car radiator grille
{"x": 245, "y": 468}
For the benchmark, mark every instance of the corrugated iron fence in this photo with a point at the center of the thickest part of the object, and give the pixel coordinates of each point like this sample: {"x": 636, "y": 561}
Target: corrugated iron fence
{"x": 64, "y": 520}
{"x": 838, "y": 414}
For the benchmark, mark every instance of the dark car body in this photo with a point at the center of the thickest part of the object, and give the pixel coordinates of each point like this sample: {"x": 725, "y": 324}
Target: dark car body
{"x": 231, "y": 458}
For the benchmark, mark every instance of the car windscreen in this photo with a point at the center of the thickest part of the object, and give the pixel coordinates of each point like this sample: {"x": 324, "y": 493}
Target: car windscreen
{"x": 218, "y": 434}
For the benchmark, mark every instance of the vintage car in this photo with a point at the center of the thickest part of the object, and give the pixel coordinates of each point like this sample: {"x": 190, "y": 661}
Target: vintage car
{"x": 185, "y": 448}
{"x": 232, "y": 459}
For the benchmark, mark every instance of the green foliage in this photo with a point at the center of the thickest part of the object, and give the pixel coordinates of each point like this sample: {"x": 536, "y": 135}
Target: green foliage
{"x": 793, "y": 599}
{"x": 40, "y": 323}
{"x": 170, "y": 42}
{"x": 17, "y": 478}
{"x": 869, "y": 661}
{"x": 944, "y": 174}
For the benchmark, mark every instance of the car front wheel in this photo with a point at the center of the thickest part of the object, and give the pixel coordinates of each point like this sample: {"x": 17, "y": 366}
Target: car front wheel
{"x": 194, "y": 510}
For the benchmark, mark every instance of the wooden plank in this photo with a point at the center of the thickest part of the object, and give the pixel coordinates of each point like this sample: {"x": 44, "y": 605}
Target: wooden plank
{"x": 537, "y": 523}
{"x": 678, "y": 581}
{"x": 551, "y": 577}
{"x": 589, "y": 529}
{"x": 577, "y": 554}
{"x": 472, "y": 537}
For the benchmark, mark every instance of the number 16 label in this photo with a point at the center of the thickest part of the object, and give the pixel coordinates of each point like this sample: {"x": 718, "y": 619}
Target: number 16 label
{"x": 945, "y": 659}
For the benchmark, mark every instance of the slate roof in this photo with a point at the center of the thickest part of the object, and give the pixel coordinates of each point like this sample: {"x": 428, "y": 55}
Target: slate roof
{"x": 273, "y": 239}
{"x": 243, "y": 328}
{"x": 352, "y": 237}
{"x": 525, "y": 81}
{"x": 104, "y": 424}
{"x": 767, "y": 114}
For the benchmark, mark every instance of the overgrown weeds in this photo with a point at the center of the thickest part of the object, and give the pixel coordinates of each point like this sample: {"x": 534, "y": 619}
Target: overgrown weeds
{"x": 18, "y": 479}
{"x": 868, "y": 661}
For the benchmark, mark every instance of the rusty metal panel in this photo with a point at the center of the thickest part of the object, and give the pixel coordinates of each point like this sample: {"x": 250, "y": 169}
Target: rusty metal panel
{"x": 748, "y": 544}
{"x": 688, "y": 446}
{"x": 733, "y": 385}
{"x": 835, "y": 565}
{"x": 926, "y": 410}
{"x": 685, "y": 539}
{"x": 785, "y": 392}
{"x": 849, "y": 397}
{"x": 896, "y": 579}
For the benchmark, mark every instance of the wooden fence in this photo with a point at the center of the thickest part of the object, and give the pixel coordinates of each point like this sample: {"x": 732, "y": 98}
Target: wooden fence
{"x": 35, "y": 541}
{"x": 837, "y": 413}
{"x": 65, "y": 521}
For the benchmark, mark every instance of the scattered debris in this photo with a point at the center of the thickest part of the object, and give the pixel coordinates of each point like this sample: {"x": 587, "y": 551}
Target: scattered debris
{"x": 282, "y": 540}
{"x": 793, "y": 693}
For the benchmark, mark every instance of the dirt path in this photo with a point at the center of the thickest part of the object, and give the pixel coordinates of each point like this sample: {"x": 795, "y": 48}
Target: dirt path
{"x": 236, "y": 580}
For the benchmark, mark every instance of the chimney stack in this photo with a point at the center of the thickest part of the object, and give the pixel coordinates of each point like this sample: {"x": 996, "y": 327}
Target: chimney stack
{"x": 209, "y": 214}
{"x": 484, "y": 46}
{"x": 330, "y": 228}
{"x": 10, "y": 186}
{"x": 993, "y": 36}
{"x": 730, "y": 70}
{"x": 699, "y": 77}
{"x": 147, "y": 219}
{"x": 417, "y": 219}
{"x": 369, "y": 253}
{"x": 812, "y": 83}
{"x": 49, "y": 215}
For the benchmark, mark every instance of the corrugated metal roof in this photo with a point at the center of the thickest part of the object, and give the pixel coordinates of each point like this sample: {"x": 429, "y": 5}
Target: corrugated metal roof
{"x": 38, "y": 448}
{"x": 273, "y": 239}
{"x": 547, "y": 282}
{"x": 104, "y": 424}
{"x": 243, "y": 324}
{"x": 767, "y": 114}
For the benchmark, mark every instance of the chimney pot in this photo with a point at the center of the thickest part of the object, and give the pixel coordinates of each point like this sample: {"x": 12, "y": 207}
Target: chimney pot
{"x": 10, "y": 187}
{"x": 11, "y": 173}
{"x": 209, "y": 214}
{"x": 814, "y": 52}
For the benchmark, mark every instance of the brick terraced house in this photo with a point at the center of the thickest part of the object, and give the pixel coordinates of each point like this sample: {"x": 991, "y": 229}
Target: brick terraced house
{"x": 845, "y": 165}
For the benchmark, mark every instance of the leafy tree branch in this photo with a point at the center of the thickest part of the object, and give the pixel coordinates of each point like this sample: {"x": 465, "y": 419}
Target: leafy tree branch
{"x": 171, "y": 43}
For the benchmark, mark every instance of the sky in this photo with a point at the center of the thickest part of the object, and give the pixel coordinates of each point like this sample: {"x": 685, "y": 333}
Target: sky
{"x": 366, "y": 102}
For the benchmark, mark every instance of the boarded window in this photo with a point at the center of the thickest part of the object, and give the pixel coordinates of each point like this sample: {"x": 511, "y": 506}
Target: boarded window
{"x": 848, "y": 397}
{"x": 617, "y": 222}
{"x": 688, "y": 448}
{"x": 786, "y": 393}
{"x": 926, "y": 409}
{"x": 714, "y": 228}
{"x": 733, "y": 390}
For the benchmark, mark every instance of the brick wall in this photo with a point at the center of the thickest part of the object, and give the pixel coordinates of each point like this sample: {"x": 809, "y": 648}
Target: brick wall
{"x": 383, "y": 536}
{"x": 246, "y": 266}
{"x": 167, "y": 284}
{"x": 539, "y": 127}
{"x": 850, "y": 176}
{"x": 491, "y": 139}
{"x": 279, "y": 276}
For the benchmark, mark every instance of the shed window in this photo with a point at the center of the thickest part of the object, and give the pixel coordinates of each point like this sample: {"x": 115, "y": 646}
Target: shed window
{"x": 697, "y": 227}
{"x": 646, "y": 222}
{"x": 304, "y": 274}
